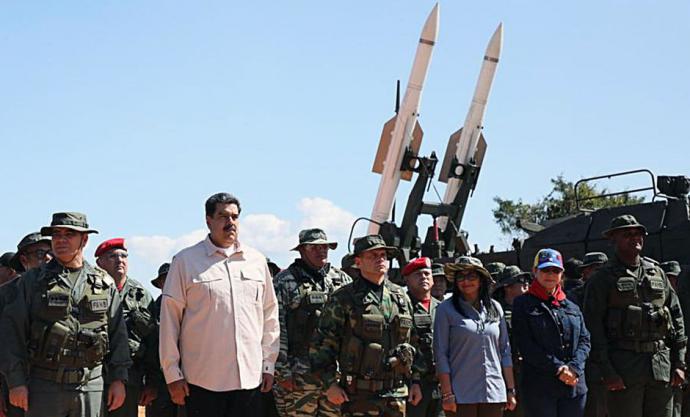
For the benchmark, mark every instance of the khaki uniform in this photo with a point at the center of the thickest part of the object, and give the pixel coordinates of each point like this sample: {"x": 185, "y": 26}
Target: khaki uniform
{"x": 637, "y": 333}
{"x": 364, "y": 334}
{"x": 430, "y": 406}
{"x": 302, "y": 293}
{"x": 64, "y": 335}
{"x": 137, "y": 306}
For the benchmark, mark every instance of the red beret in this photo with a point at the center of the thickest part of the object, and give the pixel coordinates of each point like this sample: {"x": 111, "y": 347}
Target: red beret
{"x": 117, "y": 243}
{"x": 416, "y": 264}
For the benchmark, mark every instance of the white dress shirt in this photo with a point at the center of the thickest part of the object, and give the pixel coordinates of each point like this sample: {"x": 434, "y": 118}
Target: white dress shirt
{"x": 219, "y": 318}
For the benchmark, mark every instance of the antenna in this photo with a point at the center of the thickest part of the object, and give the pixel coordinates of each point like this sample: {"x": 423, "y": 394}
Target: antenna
{"x": 397, "y": 97}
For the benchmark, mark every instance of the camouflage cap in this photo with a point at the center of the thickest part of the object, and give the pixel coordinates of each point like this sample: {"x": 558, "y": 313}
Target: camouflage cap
{"x": 513, "y": 275}
{"x": 437, "y": 270}
{"x": 466, "y": 263}
{"x": 68, "y": 220}
{"x": 495, "y": 268}
{"x": 162, "y": 272}
{"x": 371, "y": 242}
{"x": 6, "y": 258}
{"x": 314, "y": 237}
{"x": 671, "y": 268}
{"x": 594, "y": 258}
{"x": 626, "y": 221}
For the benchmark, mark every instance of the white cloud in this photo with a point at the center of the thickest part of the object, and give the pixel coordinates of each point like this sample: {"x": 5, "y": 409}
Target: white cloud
{"x": 272, "y": 235}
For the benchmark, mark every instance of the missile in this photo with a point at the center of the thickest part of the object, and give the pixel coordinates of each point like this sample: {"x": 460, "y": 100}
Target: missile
{"x": 403, "y": 130}
{"x": 467, "y": 144}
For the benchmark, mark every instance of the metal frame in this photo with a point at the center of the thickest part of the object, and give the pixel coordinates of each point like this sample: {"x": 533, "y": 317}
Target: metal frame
{"x": 618, "y": 174}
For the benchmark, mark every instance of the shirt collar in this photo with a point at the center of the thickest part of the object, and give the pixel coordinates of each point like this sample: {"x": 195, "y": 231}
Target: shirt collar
{"x": 211, "y": 248}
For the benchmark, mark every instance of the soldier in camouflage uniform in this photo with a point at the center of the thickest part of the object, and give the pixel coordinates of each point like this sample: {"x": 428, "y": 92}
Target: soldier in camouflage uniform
{"x": 419, "y": 281}
{"x": 64, "y": 332}
{"x": 636, "y": 325}
{"x": 137, "y": 305}
{"x": 512, "y": 284}
{"x": 361, "y": 349}
{"x": 302, "y": 289}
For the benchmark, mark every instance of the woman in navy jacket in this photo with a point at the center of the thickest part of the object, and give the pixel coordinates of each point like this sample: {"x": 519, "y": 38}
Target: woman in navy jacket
{"x": 551, "y": 336}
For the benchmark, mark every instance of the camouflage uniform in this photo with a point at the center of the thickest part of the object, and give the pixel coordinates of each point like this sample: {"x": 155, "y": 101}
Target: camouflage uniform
{"x": 362, "y": 343}
{"x": 301, "y": 292}
{"x": 430, "y": 406}
{"x": 356, "y": 329}
{"x": 137, "y": 311}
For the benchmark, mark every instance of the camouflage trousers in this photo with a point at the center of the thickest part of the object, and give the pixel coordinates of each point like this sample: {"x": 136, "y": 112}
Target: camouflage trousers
{"x": 297, "y": 403}
{"x": 366, "y": 406}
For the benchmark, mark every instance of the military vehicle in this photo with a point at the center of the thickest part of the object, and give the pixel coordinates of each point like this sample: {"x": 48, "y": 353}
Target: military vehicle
{"x": 666, "y": 216}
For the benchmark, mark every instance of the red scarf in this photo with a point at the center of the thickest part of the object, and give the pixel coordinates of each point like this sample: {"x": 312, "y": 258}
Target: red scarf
{"x": 537, "y": 290}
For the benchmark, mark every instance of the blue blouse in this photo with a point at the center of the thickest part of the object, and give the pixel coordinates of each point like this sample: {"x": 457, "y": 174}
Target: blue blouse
{"x": 473, "y": 352}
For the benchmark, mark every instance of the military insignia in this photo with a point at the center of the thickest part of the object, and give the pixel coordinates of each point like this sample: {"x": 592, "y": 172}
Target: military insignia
{"x": 99, "y": 305}
{"x": 58, "y": 300}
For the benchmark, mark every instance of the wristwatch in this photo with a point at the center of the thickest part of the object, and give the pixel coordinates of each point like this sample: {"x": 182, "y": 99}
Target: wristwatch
{"x": 512, "y": 391}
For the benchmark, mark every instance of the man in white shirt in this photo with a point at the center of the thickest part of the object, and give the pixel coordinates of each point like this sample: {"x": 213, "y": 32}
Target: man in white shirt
{"x": 219, "y": 330}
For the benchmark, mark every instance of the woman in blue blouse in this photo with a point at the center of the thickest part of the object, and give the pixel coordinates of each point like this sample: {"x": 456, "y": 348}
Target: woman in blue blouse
{"x": 550, "y": 332}
{"x": 471, "y": 345}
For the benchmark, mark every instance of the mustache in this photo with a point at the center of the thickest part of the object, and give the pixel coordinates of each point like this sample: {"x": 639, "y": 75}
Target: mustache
{"x": 229, "y": 228}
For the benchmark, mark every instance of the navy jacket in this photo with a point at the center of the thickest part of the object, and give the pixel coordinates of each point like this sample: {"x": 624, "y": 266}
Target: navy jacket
{"x": 549, "y": 337}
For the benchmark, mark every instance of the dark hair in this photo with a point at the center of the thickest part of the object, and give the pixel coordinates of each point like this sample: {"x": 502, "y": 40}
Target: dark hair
{"x": 484, "y": 297}
{"x": 221, "y": 198}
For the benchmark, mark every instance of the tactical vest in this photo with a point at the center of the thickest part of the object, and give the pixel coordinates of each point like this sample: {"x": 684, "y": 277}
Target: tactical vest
{"x": 376, "y": 354}
{"x": 68, "y": 333}
{"x": 138, "y": 320}
{"x": 424, "y": 340}
{"x": 302, "y": 319}
{"x": 637, "y": 318}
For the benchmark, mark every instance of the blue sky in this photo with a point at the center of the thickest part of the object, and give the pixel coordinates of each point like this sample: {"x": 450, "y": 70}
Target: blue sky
{"x": 135, "y": 112}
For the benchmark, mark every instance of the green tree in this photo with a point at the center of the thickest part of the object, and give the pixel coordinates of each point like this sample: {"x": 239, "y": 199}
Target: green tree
{"x": 560, "y": 202}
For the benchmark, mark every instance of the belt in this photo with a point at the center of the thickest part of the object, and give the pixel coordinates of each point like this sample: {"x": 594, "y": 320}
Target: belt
{"x": 640, "y": 346}
{"x": 372, "y": 385}
{"x": 66, "y": 376}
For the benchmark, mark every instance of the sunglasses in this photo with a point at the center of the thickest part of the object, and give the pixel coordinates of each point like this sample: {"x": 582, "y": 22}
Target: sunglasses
{"x": 469, "y": 276}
